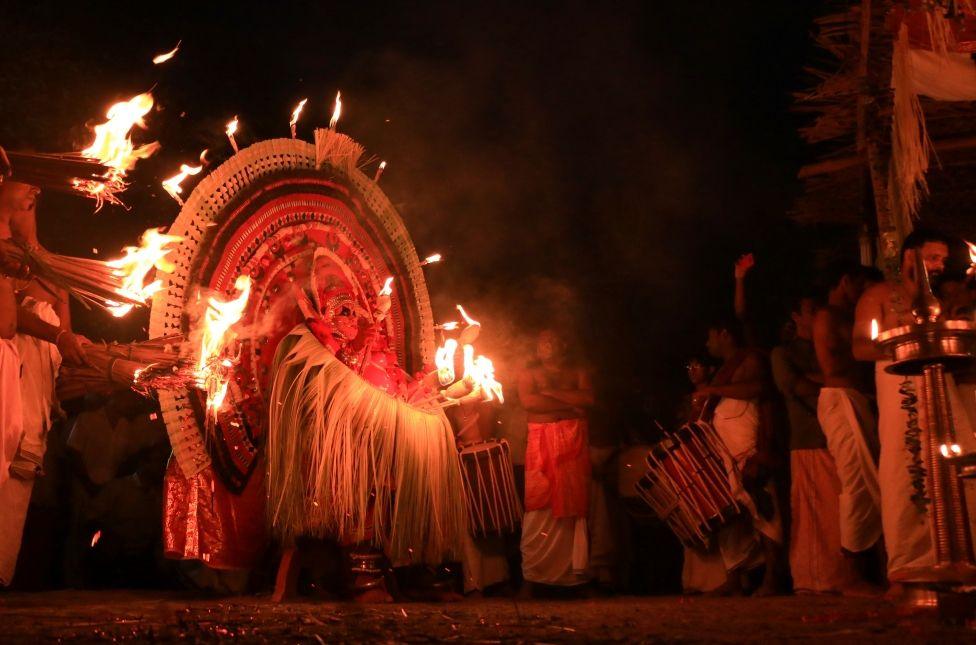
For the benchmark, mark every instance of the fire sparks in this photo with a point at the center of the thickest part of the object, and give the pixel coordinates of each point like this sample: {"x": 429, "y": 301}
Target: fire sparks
{"x": 113, "y": 148}
{"x": 444, "y": 361}
{"x": 336, "y": 111}
{"x": 387, "y": 289}
{"x": 379, "y": 171}
{"x": 172, "y": 185}
{"x": 230, "y": 130}
{"x": 293, "y": 124}
{"x": 431, "y": 259}
{"x": 213, "y": 366}
{"x": 136, "y": 264}
{"x": 162, "y": 58}
{"x": 874, "y": 329}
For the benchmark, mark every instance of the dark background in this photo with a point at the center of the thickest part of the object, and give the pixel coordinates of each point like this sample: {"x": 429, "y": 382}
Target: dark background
{"x": 574, "y": 162}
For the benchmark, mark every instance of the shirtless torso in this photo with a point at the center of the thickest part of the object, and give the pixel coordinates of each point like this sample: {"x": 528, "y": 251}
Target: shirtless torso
{"x": 888, "y": 303}
{"x": 554, "y": 393}
{"x": 833, "y": 330}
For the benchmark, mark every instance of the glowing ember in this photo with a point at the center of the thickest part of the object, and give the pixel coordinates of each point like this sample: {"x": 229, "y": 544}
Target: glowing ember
{"x": 444, "y": 361}
{"x": 162, "y": 58}
{"x": 431, "y": 259}
{"x": 874, "y": 329}
{"x": 212, "y": 366}
{"x": 172, "y": 185}
{"x": 96, "y": 538}
{"x": 336, "y": 111}
{"x": 387, "y": 289}
{"x": 231, "y": 129}
{"x": 137, "y": 263}
{"x": 113, "y": 148}
{"x": 293, "y": 124}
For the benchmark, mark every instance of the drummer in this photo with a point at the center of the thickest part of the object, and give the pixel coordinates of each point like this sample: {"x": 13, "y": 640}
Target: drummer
{"x": 736, "y": 394}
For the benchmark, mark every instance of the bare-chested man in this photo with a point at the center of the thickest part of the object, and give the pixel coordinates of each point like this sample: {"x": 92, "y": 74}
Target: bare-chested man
{"x": 738, "y": 388}
{"x": 43, "y": 338}
{"x": 845, "y": 415}
{"x": 11, "y": 414}
{"x": 556, "y": 395}
{"x": 905, "y": 523}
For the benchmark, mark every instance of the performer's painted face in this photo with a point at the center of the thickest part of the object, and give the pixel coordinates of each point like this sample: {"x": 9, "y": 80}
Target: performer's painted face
{"x": 346, "y": 322}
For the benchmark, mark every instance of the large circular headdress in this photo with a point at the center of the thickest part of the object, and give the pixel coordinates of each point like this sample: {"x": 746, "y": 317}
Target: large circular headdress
{"x": 265, "y": 213}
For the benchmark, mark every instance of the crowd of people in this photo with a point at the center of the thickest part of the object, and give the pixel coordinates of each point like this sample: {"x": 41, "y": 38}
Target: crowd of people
{"x": 852, "y": 521}
{"x": 814, "y": 428}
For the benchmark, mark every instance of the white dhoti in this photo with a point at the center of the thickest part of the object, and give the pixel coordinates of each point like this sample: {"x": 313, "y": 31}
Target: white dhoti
{"x": 40, "y": 362}
{"x": 848, "y": 423}
{"x": 906, "y": 526}
{"x": 483, "y": 561}
{"x": 737, "y": 547}
{"x": 555, "y": 551}
{"x": 11, "y": 412}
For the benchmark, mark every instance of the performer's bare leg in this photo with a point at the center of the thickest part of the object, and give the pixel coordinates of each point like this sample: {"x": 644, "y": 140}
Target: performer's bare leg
{"x": 771, "y": 555}
{"x": 286, "y": 582}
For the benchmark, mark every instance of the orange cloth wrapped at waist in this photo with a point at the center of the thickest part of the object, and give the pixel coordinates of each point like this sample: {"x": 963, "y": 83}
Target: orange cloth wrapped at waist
{"x": 557, "y": 468}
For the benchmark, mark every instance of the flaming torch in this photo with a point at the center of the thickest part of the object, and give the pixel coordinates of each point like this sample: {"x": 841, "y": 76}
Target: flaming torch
{"x": 444, "y": 361}
{"x": 430, "y": 259}
{"x": 471, "y": 331}
{"x": 172, "y": 185}
{"x": 336, "y": 111}
{"x": 971, "y": 271}
{"x": 136, "y": 264}
{"x": 213, "y": 366}
{"x": 379, "y": 171}
{"x": 293, "y": 124}
{"x": 231, "y": 129}
{"x": 114, "y": 149}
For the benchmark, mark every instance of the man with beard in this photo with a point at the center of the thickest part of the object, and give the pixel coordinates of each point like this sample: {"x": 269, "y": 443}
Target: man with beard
{"x": 904, "y": 517}
{"x": 847, "y": 418}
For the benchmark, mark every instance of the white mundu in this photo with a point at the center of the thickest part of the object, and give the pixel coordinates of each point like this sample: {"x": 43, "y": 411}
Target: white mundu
{"x": 848, "y": 423}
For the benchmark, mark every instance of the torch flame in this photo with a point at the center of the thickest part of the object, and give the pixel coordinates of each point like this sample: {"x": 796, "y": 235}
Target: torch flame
{"x": 874, "y": 329}
{"x": 113, "y": 148}
{"x": 162, "y": 58}
{"x": 449, "y": 326}
{"x": 387, "y": 289}
{"x": 972, "y": 256}
{"x": 172, "y": 185}
{"x": 430, "y": 259}
{"x": 95, "y": 538}
{"x": 444, "y": 361}
{"x": 220, "y": 316}
{"x": 294, "y": 115}
{"x": 481, "y": 372}
{"x": 468, "y": 319}
{"x": 232, "y": 126}
{"x": 136, "y": 264}
{"x": 336, "y": 111}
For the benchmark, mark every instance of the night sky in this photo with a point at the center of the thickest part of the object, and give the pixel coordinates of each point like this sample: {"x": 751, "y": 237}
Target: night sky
{"x": 573, "y": 162}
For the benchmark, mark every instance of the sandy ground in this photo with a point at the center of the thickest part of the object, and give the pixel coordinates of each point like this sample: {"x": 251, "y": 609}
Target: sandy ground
{"x": 166, "y": 617}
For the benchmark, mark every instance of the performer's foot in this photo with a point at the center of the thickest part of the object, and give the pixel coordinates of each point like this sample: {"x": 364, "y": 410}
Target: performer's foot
{"x": 368, "y": 569}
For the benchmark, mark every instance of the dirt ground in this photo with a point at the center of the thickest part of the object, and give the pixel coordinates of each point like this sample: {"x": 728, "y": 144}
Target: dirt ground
{"x": 168, "y": 617}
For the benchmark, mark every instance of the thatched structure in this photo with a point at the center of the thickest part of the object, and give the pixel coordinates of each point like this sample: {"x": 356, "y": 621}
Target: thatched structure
{"x": 858, "y": 178}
